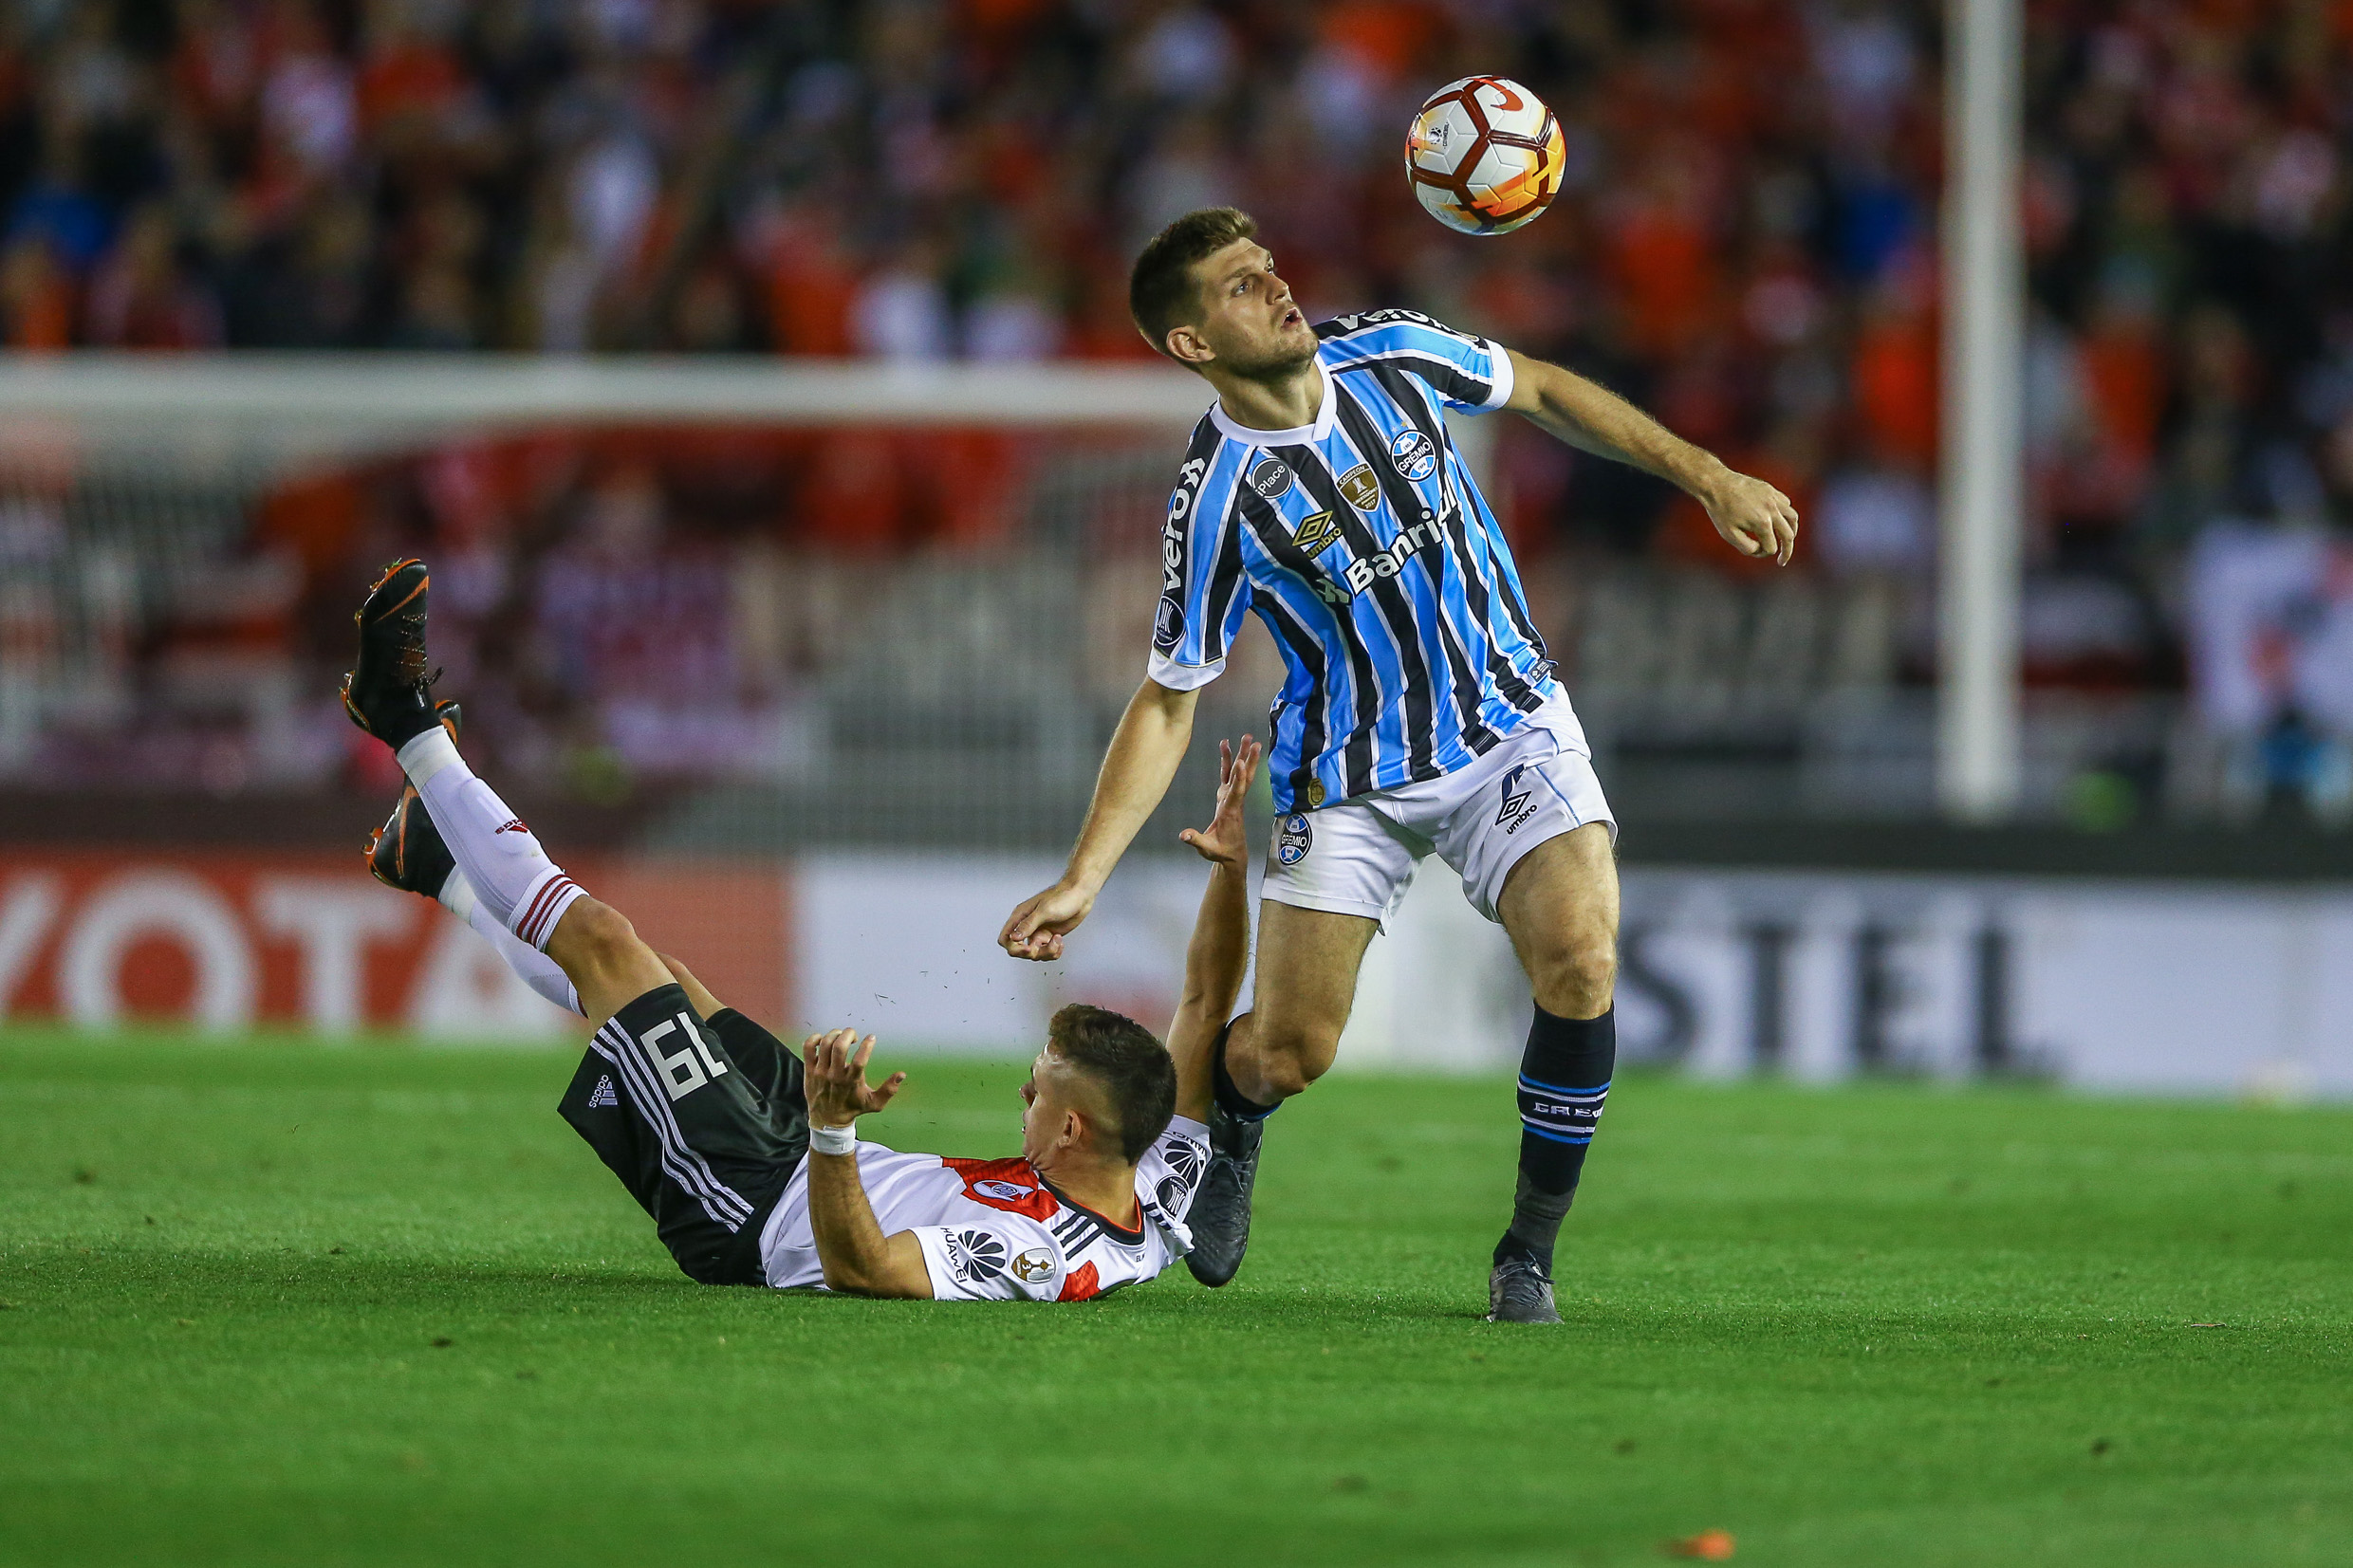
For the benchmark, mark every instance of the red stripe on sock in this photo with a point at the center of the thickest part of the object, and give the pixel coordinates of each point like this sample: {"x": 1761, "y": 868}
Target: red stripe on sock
{"x": 553, "y": 899}
{"x": 523, "y": 927}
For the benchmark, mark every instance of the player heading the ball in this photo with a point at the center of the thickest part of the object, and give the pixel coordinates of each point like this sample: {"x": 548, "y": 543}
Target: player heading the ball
{"x": 1418, "y": 711}
{"x": 748, "y": 1159}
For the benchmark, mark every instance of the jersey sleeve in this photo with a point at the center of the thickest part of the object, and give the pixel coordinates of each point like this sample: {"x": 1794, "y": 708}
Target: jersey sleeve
{"x": 1183, "y": 1150}
{"x": 1009, "y": 1258}
{"x": 1470, "y": 373}
{"x": 1204, "y": 591}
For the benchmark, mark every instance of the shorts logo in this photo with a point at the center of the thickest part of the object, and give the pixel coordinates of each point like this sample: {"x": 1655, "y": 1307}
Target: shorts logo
{"x": 1168, "y": 627}
{"x": 1171, "y": 1193}
{"x": 1415, "y": 454}
{"x": 1292, "y": 839}
{"x": 1035, "y": 1265}
{"x": 1270, "y": 478}
{"x": 602, "y": 1095}
{"x": 1315, "y": 533}
{"x": 1360, "y": 488}
{"x": 1005, "y": 1189}
{"x": 975, "y": 1255}
{"x": 1518, "y": 804}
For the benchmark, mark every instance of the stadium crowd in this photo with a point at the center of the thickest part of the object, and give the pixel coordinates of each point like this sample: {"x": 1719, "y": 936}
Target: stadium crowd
{"x": 1746, "y": 242}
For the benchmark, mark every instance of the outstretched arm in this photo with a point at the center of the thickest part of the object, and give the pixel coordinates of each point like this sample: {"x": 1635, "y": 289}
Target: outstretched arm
{"x": 1150, "y": 741}
{"x": 1219, "y": 952}
{"x": 1754, "y": 518}
{"x": 857, "y": 1257}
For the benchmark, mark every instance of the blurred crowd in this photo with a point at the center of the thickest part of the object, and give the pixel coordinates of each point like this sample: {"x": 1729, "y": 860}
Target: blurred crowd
{"x": 1745, "y": 243}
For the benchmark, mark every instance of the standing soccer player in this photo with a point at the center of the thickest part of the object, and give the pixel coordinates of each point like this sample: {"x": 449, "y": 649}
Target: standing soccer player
{"x": 1420, "y": 710}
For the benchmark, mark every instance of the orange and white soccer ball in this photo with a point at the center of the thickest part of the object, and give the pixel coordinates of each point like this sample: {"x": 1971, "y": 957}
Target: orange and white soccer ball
{"x": 1485, "y": 155}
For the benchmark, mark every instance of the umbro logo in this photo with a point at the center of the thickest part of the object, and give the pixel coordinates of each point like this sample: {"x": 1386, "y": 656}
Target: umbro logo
{"x": 514, "y": 825}
{"x": 1518, "y": 804}
{"x": 1315, "y": 533}
{"x": 603, "y": 1093}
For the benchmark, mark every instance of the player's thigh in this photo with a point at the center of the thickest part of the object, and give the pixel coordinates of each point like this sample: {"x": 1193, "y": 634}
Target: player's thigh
{"x": 602, "y": 954}
{"x": 1308, "y": 963}
{"x": 1560, "y": 906}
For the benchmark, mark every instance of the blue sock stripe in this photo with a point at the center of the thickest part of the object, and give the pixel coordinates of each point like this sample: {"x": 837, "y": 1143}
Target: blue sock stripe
{"x": 1526, "y": 1125}
{"x": 1526, "y": 1082}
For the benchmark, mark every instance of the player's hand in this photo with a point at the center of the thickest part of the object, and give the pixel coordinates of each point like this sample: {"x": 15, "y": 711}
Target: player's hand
{"x": 1224, "y": 841}
{"x": 1754, "y": 518}
{"x": 1035, "y": 929}
{"x": 834, "y": 1078}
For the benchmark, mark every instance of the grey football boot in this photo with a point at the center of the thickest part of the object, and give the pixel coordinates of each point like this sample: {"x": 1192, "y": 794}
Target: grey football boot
{"x": 1520, "y": 1292}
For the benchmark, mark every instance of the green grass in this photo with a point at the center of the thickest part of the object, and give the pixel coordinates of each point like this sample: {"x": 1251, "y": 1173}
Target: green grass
{"x": 286, "y": 1304}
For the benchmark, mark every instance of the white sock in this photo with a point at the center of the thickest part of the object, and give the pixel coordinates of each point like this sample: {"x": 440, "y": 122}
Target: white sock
{"x": 510, "y": 874}
{"x": 534, "y": 967}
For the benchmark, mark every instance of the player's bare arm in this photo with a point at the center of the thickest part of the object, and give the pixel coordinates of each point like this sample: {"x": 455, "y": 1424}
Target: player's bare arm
{"x": 1752, "y": 516}
{"x": 858, "y": 1258}
{"x": 1219, "y": 952}
{"x": 1144, "y": 752}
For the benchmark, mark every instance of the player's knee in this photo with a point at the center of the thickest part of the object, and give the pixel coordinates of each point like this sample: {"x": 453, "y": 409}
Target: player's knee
{"x": 1579, "y": 980}
{"x": 1293, "y": 1055}
{"x": 599, "y": 935}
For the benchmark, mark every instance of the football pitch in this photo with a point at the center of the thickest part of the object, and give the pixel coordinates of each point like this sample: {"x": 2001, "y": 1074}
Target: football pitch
{"x": 279, "y": 1303}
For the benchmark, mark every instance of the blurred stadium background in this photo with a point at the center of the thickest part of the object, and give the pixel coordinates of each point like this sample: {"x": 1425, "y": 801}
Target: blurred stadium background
{"x": 758, "y": 380}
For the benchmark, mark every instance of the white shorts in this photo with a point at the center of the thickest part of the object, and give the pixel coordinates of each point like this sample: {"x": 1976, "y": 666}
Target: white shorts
{"x": 1357, "y": 856}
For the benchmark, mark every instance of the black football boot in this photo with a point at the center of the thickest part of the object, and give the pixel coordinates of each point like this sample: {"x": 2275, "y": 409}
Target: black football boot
{"x": 1220, "y": 1215}
{"x": 407, "y": 852}
{"x": 385, "y": 692}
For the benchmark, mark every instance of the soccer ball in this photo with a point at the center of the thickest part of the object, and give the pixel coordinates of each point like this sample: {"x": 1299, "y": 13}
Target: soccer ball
{"x": 1485, "y": 155}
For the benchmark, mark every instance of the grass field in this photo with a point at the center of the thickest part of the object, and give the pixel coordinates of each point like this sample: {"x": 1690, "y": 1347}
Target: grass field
{"x": 285, "y": 1304}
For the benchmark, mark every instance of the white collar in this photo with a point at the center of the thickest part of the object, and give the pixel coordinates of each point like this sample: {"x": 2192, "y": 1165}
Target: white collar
{"x": 1299, "y": 435}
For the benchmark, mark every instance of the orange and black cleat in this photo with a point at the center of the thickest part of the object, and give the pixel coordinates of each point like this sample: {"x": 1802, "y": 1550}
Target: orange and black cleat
{"x": 385, "y": 693}
{"x": 407, "y": 852}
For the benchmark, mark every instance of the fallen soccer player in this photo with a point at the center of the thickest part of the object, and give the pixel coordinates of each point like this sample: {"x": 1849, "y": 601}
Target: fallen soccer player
{"x": 746, "y": 1159}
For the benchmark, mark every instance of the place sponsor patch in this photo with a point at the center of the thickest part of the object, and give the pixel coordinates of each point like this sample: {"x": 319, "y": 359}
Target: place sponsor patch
{"x": 1270, "y": 478}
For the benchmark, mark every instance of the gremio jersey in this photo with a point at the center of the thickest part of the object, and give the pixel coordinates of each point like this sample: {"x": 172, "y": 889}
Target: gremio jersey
{"x": 1362, "y": 544}
{"x": 993, "y": 1231}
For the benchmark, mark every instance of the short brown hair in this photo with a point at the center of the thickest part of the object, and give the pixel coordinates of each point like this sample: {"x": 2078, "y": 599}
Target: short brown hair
{"x": 1135, "y": 1070}
{"x": 1162, "y": 293}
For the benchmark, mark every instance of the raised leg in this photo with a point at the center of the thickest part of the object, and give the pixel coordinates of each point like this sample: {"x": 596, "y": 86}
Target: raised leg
{"x": 1308, "y": 963}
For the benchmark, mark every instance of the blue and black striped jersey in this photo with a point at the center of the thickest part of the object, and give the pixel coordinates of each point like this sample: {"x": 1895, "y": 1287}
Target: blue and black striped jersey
{"x": 1364, "y": 545}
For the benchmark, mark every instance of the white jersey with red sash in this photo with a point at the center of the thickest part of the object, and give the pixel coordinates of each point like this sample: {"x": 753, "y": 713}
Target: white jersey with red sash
{"x": 993, "y": 1231}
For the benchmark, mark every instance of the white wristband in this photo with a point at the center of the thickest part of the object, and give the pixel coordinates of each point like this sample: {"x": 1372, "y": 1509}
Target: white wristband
{"x": 834, "y": 1141}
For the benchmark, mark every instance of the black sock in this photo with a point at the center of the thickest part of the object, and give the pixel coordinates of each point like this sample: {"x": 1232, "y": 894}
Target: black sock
{"x": 1564, "y": 1079}
{"x": 1231, "y": 1099}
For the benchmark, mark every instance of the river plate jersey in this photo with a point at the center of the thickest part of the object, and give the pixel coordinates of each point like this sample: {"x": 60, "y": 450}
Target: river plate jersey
{"x": 1364, "y": 545}
{"x": 993, "y": 1231}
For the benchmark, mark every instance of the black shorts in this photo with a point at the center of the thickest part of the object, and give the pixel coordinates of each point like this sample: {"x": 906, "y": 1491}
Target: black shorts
{"x": 704, "y": 1121}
